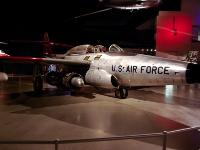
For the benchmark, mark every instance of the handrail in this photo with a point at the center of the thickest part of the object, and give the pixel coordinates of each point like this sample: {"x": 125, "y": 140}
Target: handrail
{"x": 113, "y": 138}
{"x": 183, "y": 130}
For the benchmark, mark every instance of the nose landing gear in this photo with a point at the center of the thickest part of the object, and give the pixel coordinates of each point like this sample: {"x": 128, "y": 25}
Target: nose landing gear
{"x": 121, "y": 93}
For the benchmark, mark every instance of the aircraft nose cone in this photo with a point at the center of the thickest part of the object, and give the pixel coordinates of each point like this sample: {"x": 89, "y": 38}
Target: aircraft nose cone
{"x": 193, "y": 73}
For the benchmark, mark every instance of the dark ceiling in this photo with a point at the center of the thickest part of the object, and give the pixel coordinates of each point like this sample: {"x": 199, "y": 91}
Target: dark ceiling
{"x": 30, "y": 19}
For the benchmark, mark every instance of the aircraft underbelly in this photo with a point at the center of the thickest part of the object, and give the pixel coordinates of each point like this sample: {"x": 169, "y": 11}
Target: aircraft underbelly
{"x": 127, "y": 79}
{"x": 77, "y": 69}
{"x": 145, "y": 80}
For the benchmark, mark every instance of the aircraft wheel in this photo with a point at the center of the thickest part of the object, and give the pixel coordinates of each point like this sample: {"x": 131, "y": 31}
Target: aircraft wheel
{"x": 121, "y": 93}
{"x": 38, "y": 84}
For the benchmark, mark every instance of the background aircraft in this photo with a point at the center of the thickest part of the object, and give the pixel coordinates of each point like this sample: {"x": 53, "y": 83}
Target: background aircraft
{"x": 107, "y": 68}
{"x": 3, "y": 76}
{"x": 130, "y": 4}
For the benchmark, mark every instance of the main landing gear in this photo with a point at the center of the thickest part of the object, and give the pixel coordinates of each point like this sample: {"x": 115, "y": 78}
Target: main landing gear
{"x": 37, "y": 78}
{"x": 121, "y": 93}
{"x": 38, "y": 84}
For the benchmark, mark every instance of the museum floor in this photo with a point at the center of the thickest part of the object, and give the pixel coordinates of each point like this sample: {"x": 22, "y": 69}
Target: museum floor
{"x": 93, "y": 112}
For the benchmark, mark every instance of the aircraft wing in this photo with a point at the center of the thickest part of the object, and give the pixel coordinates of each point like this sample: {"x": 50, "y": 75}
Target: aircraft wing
{"x": 29, "y": 60}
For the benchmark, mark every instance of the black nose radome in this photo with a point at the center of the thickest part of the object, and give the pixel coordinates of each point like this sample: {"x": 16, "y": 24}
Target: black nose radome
{"x": 193, "y": 73}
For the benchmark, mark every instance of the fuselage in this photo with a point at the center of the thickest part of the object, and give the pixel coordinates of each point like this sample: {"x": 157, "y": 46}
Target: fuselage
{"x": 109, "y": 68}
{"x": 136, "y": 70}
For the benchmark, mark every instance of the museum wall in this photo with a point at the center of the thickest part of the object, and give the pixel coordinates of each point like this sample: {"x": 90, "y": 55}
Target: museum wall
{"x": 176, "y": 29}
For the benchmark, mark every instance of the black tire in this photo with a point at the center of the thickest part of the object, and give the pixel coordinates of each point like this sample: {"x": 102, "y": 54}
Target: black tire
{"x": 121, "y": 93}
{"x": 38, "y": 84}
{"x": 117, "y": 93}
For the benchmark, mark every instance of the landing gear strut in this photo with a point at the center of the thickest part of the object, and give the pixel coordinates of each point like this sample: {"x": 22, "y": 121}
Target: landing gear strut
{"x": 37, "y": 78}
{"x": 121, "y": 93}
{"x": 38, "y": 84}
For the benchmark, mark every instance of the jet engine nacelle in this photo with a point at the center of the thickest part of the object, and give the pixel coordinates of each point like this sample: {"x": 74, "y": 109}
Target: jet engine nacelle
{"x": 73, "y": 80}
{"x": 101, "y": 78}
{"x": 69, "y": 80}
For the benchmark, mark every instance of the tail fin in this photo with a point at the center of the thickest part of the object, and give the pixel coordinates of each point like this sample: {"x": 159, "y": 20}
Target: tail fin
{"x": 47, "y": 45}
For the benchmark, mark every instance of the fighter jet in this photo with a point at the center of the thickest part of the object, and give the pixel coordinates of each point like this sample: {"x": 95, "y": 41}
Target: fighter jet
{"x": 110, "y": 68}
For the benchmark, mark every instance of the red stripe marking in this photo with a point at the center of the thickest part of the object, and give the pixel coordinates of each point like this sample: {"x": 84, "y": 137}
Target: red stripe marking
{"x": 16, "y": 58}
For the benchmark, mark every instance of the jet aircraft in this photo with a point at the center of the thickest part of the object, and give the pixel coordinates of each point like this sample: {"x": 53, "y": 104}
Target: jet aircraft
{"x": 110, "y": 68}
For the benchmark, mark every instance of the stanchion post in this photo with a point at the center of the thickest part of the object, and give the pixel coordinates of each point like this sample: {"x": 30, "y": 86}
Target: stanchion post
{"x": 164, "y": 140}
{"x": 56, "y": 144}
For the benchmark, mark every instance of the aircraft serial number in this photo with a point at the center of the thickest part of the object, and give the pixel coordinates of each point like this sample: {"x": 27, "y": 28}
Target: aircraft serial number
{"x": 141, "y": 69}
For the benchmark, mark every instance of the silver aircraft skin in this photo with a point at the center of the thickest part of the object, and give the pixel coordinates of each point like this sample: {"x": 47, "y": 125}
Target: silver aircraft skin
{"x": 111, "y": 68}
{"x": 3, "y": 76}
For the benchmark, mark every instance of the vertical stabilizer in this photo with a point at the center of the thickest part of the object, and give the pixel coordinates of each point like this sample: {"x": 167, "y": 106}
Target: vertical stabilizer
{"x": 47, "y": 45}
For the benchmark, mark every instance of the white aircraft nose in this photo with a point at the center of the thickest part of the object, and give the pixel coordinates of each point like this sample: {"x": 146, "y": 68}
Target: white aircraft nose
{"x": 3, "y": 76}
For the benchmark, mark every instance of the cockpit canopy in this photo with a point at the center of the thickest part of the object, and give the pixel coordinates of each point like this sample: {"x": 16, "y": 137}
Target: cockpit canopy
{"x": 114, "y": 48}
{"x": 87, "y": 48}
